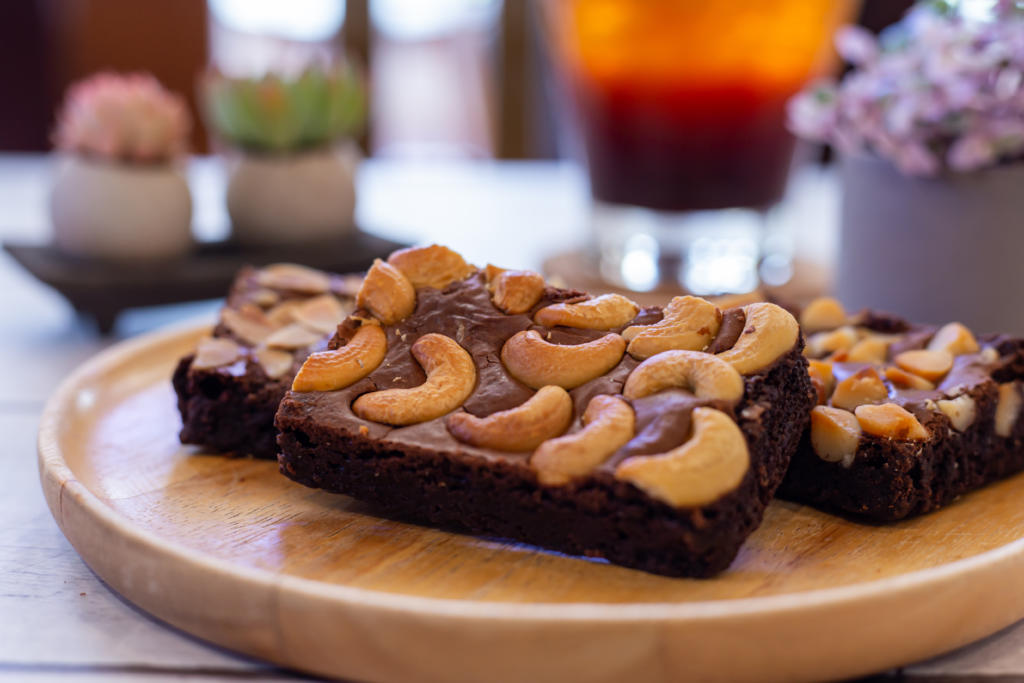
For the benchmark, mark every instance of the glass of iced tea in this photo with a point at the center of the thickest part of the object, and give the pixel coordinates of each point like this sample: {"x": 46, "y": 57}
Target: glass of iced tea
{"x": 681, "y": 109}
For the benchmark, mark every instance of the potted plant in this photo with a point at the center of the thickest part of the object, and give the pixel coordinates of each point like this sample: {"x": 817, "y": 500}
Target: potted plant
{"x": 929, "y": 126}
{"x": 291, "y": 174}
{"x": 120, "y": 192}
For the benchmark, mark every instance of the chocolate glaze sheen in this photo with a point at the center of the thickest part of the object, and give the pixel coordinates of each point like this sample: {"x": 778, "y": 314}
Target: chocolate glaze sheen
{"x": 464, "y": 311}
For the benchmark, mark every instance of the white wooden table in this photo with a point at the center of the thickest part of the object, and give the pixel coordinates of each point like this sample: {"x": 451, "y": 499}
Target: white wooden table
{"x": 58, "y": 622}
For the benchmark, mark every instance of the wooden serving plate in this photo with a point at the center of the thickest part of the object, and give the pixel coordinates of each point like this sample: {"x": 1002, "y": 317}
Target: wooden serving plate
{"x": 232, "y": 552}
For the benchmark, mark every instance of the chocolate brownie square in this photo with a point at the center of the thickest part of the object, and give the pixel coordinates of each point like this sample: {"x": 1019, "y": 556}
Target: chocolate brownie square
{"x": 909, "y": 417}
{"x": 274, "y": 317}
{"x": 486, "y": 401}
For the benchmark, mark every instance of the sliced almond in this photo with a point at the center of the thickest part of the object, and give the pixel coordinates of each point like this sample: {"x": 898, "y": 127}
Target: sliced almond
{"x": 248, "y": 323}
{"x": 215, "y": 352}
{"x": 932, "y": 365}
{"x": 294, "y": 278}
{"x": 275, "y": 363}
{"x": 321, "y": 314}
{"x": 294, "y": 336}
{"x": 264, "y": 298}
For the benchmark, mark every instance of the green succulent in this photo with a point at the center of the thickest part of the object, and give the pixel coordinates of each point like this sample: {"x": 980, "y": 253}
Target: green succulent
{"x": 275, "y": 114}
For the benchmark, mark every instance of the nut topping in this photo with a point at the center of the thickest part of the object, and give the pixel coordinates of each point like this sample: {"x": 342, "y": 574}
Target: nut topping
{"x": 322, "y": 314}
{"x": 248, "y": 323}
{"x": 337, "y": 369}
{"x": 603, "y": 313}
{"x": 608, "y": 424}
{"x": 955, "y": 339}
{"x": 891, "y": 421}
{"x": 901, "y": 379}
{"x": 710, "y": 464}
{"x": 537, "y": 363}
{"x": 961, "y": 411}
{"x": 545, "y": 415}
{"x": 294, "y": 336}
{"x": 434, "y": 266}
{"x": 689, "y": 324}
{"x": 873, "y": 349}
{"x": 1008, "y": 409}
{"x": 294, "y": 278}
{"x": 451, "y": 377}
{"x": 824, "y": 343}
{"x": 865, "y": 386}
{"x": 275, "y": 363}
{"x": 822, "y": 378}
{"x": 932, "y": 365}
{"x": 835, "y": 434}
{"x": 702, "y": 374}
{"x": 824, "y": 313}
{"x": 215, "y": 352}
{"x": 386, "y": 293}
{"x": 770, "y": 333}
{"x": 515, "y": 291}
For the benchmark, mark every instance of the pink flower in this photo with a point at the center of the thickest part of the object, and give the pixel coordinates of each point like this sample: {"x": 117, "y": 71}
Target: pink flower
{"x": 971, "y": 153}
{"x": 856, "y": 45}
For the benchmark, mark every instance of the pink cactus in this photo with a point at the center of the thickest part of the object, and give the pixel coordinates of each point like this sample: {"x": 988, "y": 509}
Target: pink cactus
{"x": 128, "y": 117}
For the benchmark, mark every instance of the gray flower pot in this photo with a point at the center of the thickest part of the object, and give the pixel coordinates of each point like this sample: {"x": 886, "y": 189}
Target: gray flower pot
{"x": 934, "y": 249}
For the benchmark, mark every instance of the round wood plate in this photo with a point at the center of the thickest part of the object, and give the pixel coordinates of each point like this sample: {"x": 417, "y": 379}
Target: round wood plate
{"x": 232, "y": 552}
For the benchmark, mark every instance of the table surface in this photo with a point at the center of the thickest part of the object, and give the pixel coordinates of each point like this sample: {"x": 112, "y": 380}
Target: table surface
{"x": 58, "y": 621}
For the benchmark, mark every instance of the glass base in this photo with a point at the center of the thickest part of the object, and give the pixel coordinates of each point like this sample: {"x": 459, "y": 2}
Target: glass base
{"x": 723, "y": 251}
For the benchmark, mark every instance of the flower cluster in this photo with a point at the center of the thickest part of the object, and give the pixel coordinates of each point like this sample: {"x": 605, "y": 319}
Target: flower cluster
{"x": 127, "y": 117}
{"x": 942, "y": 89}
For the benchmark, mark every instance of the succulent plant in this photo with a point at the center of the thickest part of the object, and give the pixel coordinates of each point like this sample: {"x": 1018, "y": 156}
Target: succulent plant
{"x": 942, "y": 89}
{"x": 277, "y": 114}
{"x": 124, "y": 117}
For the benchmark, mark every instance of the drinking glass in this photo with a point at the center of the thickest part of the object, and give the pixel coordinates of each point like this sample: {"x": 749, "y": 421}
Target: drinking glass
{"x": 681, "y": 109}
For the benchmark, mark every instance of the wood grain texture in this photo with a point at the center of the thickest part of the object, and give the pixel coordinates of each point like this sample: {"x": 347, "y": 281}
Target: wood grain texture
{"x": 231, "y": 551}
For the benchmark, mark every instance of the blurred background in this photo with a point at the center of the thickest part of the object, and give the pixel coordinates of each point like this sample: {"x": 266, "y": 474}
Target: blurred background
{"x": 448, "y": 78}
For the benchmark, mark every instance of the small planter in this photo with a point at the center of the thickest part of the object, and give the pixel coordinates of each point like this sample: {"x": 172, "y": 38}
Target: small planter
{"x": 121, "y": 211}
{"x": 286, "y": 198}
{"x": 934, "y": 249}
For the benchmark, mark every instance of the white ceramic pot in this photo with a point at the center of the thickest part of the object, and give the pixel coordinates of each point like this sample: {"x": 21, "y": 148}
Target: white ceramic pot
{"x": 287, "y": 198}
{"x": 119, "y": 211}
{"x": 934, "y": 249}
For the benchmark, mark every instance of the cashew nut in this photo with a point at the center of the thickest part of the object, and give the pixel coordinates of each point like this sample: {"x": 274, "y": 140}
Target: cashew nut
{"x": 386, "y": 293}
{"x": 704, "y": 375}
{"x": 537, "y": 363}
{"x": 710, "y": 464}
{"x": 1008, "y": 408}
{"x": 609, "y": 423}
{"x": 689, "y": 323}
{"x": 544, "y": 415}
{"x": 891, "y": 421}
{"x": 603, "y": 313}
{"x": 434, "y": 266}
{"x": 337, "y": 369}
{"x": 451, "y": 377}
{"x": 770, "y": 333}
{"x": 516, "y": 291}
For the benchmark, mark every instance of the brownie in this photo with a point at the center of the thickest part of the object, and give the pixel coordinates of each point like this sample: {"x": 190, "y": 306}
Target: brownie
{"x": 967, "y": 432}
{"x": 274, "y": 317}
{"x": 434, "y": 468}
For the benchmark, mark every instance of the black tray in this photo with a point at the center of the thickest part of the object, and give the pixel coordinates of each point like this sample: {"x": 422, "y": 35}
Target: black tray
{"x": 103, "y": 289}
